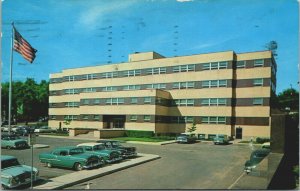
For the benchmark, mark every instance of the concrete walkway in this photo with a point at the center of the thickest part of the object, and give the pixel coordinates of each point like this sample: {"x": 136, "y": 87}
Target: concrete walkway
{"x": 140, "y": 142}
{"x": 85, "y": 175}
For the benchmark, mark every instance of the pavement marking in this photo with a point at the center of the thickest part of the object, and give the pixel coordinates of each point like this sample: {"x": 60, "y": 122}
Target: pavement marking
{"x": 236, "y": 181}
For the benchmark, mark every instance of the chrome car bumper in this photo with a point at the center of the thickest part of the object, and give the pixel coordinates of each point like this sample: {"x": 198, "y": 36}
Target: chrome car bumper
{"x": 114, "y": 160}
{"x": 94, "y": 164}
{"x": 128, "y": 155}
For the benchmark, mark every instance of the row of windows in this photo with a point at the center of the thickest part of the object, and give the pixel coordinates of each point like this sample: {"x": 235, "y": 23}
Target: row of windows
{"x": 147, "y": 118}
{"x": 147, "y": 100}
{"x": 175, "y": 85}
{"x": 162, "y": 70}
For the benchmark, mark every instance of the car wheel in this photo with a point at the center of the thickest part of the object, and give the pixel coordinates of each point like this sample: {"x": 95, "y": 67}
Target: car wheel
{"x": 49, "y": 165}
{"x": 78, "y": 166}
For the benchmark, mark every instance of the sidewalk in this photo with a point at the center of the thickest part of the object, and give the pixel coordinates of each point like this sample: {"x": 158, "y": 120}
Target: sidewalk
{"x": 140, "y": 142}
{"x": 86, "y": 175}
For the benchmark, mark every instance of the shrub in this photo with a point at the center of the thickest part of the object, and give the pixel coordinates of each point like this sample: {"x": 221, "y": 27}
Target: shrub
{"x": 135, "y": 133}
{"x": 261, "y": 140}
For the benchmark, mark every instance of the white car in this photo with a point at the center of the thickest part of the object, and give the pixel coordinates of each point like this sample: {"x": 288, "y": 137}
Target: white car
{"x": 44, "y": 129}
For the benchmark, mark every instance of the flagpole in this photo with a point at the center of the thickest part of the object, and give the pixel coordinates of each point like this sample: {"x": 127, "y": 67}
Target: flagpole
{"x": 10, "y": 79}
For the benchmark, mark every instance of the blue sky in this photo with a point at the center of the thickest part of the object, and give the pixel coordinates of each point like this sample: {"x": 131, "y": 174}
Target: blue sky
{"x": 77, "y": 33}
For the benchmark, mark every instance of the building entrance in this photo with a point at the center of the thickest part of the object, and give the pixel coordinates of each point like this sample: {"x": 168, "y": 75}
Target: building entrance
{"x": 238, "y": 133}
{"x": 114, "y": 121}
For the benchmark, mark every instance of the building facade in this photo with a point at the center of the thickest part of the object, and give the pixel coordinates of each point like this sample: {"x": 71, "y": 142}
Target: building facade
{"x": 223, "y": 93}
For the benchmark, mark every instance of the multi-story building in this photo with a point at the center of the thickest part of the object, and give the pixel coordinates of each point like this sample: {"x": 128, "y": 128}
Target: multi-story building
{"x": 223, "y": 93}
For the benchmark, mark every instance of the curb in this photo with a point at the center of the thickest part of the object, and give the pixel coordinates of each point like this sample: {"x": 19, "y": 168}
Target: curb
{"x": 40, "y": 146}
{"x": 71, "y": 179}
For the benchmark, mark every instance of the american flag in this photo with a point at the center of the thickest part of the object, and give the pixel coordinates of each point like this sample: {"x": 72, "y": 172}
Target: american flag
{"x": 23, "y": 47}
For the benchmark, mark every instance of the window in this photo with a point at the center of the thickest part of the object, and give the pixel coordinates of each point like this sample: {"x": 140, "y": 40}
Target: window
{"x": 131, "y": 73}
{"x": 146, "y": 117}
{"x": 184, "y": 68}
{"x": 189, "y": 119}
{"x": 71, "y": 91}
{"x": 89, "y": 76}
{"x": 206, "y": 66}
{"x": 184, "y": 102}
{"x": 147, "y": 100}
{"x": 205, "y": 102}
{"x": 133, "y": 100}
{"x": 71, "y": 104}
{"x": 109, "y": 89}
{"x": 213, "y": 120}
{"x": 214, "y": 83}
{"x": 176, "y": 69}
{"x": 241, "y": 64}
{"x": 96, "y": 101}
{"x": 190, "y": 102}
{"x": 258, "y": 82}
{"x": 222, "y": 101}
{"x": 161, "y": 70}
{"x": 205, "y": 120}
{"x": 132, "y": 87}
{"x": 175, "y": 85}
{"x": 114, "y": 101}
{"x": 214, "y": 65}
{"x": 89, "y": 90}
{"x": 85, "y": 117}
{"x": 257, "y": 101}
{"x": 85, "y": 101}
{"x": 222, "y": 83}
{"x": 70, "y": 78}
{"x": 109, "y": 75}
{"x": 223, "y": 65}
{"x": 70, "y": 117}
{"x": 156, "y": 86}
{"x": 213, "y": 101}
{"x": 96, "y": 117}
{"x": 183, "y": 85}
{"x": 52, "y": 117}
{"x": 133, "y": 117}
{"x": 258, "y": 63}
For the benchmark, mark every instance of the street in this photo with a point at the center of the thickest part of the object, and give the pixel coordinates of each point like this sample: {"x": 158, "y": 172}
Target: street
{"x": 182, "y": 166}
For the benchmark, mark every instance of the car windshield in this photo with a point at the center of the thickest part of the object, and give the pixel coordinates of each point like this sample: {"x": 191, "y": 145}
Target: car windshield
{"x": 221, "y": 136}
{"x": 98, "y": 147}
{"x": 9, "y": 163}
{"x": 14, "y": 137}
{"x": 115, "y": 144}
{"x": 76, "y": 151}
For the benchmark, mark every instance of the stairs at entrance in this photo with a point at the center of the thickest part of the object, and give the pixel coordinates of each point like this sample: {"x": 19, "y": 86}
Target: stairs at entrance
{"x": 86, "y": 135}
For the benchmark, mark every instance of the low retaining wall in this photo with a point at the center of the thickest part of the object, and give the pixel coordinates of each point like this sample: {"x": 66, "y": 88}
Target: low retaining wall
{"x": 108, "y": 133}
{"x": 74, "y": 132}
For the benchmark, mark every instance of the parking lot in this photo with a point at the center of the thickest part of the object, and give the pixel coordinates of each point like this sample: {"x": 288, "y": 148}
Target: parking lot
{"x": 182, "y": 166}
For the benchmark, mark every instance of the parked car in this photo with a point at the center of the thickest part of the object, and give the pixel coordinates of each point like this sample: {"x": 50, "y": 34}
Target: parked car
{"x": 186, "y": 138}
{"x": 113, "y": 144}
{"x": 10, "y": 141}
{"x": 221, "y": 139}
{"x": 44, "y": 129}
{"x": 22, "y": 130}
{"x": 99, "y": 149}
{"x": 13, "y": 174}
{"x": 255, "y": 158}
{"x": 70, "y": 157}
{"x": 266, "y": 145}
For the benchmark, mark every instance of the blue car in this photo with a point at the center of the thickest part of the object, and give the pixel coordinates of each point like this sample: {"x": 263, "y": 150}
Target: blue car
{"x": 13, "y": 174}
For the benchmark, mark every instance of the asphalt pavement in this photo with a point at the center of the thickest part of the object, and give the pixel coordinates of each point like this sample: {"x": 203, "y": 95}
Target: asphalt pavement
{"x": 181, "y": 166}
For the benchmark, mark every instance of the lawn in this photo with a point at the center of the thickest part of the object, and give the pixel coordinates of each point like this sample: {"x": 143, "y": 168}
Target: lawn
{"x": 143, "y": 139}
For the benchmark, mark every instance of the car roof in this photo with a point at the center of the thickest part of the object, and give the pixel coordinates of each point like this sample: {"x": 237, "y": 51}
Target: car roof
{"x": 89, "y": 144}
{"x": 66, "y": 147}
{"x": 7, "y": 157}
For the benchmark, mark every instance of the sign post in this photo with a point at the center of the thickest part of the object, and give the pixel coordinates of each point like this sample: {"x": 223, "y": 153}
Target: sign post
{"x": 32, "y": 141}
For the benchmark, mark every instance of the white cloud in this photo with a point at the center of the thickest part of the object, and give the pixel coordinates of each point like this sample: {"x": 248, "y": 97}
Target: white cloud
{"x": 98, "y": 13}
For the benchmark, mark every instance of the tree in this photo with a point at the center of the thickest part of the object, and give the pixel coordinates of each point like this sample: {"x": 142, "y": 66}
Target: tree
{"x": 288, "y": 98}
{"x": 272, "y": 45}
{"x": 192, "y": 128}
